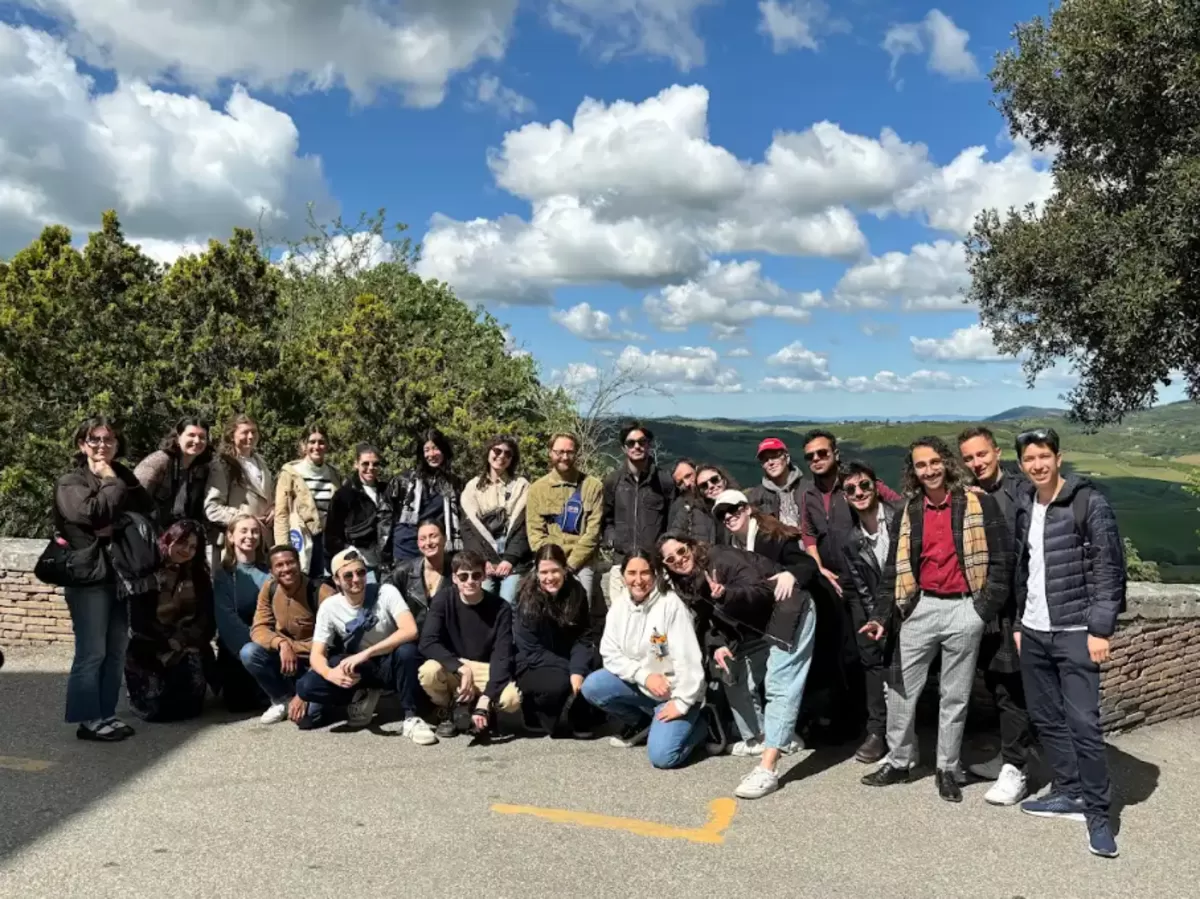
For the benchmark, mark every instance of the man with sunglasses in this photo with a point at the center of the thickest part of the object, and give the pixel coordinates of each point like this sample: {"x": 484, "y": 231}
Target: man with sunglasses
{"x": 376, "y": 650}
{"x": 998, "y": 658}
{"x": 782, "y": 483}
{"x": 637, "y": 499}
{"x": 468, "y": 641}
{"x": 1070, "y": 586}
{"x": 354, "y": 510}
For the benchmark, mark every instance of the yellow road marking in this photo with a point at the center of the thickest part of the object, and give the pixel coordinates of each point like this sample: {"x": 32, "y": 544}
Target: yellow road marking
{"x": 31, "y": 766}
{"x": 720, "y": 814}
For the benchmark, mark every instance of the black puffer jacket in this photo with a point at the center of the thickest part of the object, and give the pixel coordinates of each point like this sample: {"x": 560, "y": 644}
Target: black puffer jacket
{"x": 353, "y": 519}
{"x": 84, "y": 504}
{"x": 637, "y": 509}
{"x": 1085, "y": 573}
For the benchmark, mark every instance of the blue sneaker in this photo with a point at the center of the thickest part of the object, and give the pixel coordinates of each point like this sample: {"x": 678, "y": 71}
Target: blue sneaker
{"x": 1101, "y": 841}
{"x": 1054, "y": 805}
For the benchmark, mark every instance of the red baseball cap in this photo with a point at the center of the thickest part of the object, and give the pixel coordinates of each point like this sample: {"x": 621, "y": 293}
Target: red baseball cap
{"x": 771, "y": 443}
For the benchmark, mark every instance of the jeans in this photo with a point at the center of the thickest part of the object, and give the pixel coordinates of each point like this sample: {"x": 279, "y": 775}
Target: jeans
{"x": 750, "y": 669}
{"x": 394, "y": 671}
{"x": 1062, "y": 686}
{"x": 787, "y": 673}
{"x": 1008, "y": 693}
{"x": 507, "y": 587}
{"x": 670, "y": 743}
{"x": 101, "y": 624}
{"x": 264, "y": 665}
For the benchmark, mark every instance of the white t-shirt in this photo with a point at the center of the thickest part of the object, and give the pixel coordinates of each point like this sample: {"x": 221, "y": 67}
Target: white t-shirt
{"x": 1037, "y": 612}
{"x": 371, "y": 491}
{"x": 336, "y": 613}
{"x": 878, "y": 542}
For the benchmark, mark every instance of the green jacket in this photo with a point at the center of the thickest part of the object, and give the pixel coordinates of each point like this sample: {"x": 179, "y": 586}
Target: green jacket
{"x": 547, "y": 496}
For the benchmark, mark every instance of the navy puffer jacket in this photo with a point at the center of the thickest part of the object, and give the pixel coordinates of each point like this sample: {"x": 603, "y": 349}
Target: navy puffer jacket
{"x": 1083, "y": 588}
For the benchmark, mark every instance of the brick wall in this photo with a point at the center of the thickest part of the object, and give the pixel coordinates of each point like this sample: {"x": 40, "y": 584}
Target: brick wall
{"x": 31, "y": 613}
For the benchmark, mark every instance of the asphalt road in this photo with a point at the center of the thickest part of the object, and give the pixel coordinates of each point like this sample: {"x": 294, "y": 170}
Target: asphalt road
{"x": 226, "y": 807}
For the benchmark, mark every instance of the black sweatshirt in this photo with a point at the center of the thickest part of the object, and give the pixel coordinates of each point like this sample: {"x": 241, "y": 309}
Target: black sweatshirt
{"x": 483, "y": 632}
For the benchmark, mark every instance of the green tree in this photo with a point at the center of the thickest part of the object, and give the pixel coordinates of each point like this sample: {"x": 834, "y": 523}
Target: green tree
{"x": 1137, "y": 568}
{"x": 1104, "y": 275}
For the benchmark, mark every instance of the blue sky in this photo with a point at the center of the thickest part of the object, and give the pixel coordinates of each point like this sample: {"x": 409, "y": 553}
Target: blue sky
{"x": 750, "y": 205}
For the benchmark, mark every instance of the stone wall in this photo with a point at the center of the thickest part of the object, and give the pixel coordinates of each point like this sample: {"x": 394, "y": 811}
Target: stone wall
{"x": 1153, "y": 675}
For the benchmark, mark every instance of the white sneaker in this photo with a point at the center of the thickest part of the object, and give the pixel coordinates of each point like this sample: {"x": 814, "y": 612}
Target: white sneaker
{"x": 747, "y": 748}
{"x": 276, "y": 713}
{"x": 757, "y": 784}
{"x": 418, "y": 731}
{"x": 362, "y": 709}
{"x": 1010, "y": 787}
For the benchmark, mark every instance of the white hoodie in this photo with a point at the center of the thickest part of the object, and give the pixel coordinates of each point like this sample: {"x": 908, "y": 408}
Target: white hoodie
{"x": 656, "y": 636}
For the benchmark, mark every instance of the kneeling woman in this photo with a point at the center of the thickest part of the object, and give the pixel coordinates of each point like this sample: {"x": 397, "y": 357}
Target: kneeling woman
{"x": 170, "y": 658}
{"x": 556, "y": 644}
{"x": 732, "y": 593}
{"x": 653, "y": 675}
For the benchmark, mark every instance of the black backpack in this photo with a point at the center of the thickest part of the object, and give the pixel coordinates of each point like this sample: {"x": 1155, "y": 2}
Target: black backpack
{"x": 134, "y": 554}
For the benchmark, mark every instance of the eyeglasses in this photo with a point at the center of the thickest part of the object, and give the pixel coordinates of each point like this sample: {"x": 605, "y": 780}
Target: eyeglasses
{"x": 564, "y": 454}
{"x": 817, "y": 454}
{"x": 679, "y": 556}
{"x": 502, "y": 452}
{"x": 100, "y": 441}
{"x": 358, "y": 574}
{"x": 853, "y": 488}
{"x": 469, "y": 577}
{"x": 637, "y": 441}
{"x": 710, "y": 483}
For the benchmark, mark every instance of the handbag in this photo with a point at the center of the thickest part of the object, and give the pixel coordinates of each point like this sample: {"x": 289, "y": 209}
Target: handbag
{"x": 59, "y": 565}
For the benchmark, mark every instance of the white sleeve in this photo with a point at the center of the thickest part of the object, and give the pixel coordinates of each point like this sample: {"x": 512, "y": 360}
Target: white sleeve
{"x": 323, "y": 630}
{"x": 611, "y": 649}
{"x": 690, "y": 683}
{"x": 392, "y": 601}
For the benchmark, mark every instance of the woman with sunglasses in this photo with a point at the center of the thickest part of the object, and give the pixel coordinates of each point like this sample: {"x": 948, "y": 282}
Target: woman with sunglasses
{"x": 427, "y": 492}
{"x": 353, "y": 520}
{"x": 767, "y": 536}
{"x": 693, "y": 515}
{"x": 732, "y": 594}
{"x": 303, "y": 494}
{"x": 88, "y": 500}
{"x": 556, "y": 646}
{"x": 493, "y": 507}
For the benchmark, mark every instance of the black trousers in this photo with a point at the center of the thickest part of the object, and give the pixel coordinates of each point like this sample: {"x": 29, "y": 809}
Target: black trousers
{"x": 544, "y": 695}
{"x": 1016, "y": 736}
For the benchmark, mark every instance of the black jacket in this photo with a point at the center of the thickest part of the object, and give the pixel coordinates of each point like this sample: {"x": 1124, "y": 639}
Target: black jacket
{"x": 862, "y": 568}
{"x": 830, "y": 530}
{"x": 409, "y": 578}
{"x": 789, "y": 555}
{"x": 570, "y": 647}
{"x": 1085, "y": 573}
{"x": 399, "y": 505}
{"x": 84, "y": 504}
{"x": 442, "y": 638}
{"x": 353, "y": 519}
{"x": 516, "y": 544}
{"x": 637, "y": 509}
{"x": 765, "y": 495}
{"x": 693, "y": 517}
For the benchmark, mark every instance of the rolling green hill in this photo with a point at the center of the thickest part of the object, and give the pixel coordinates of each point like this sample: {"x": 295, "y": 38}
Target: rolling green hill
{"x": 1141, "y": 464}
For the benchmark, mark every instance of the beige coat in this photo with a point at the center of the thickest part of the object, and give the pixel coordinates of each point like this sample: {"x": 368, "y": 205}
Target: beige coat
{"x": 227, "y": 497}
{"x": 293, "y": 496}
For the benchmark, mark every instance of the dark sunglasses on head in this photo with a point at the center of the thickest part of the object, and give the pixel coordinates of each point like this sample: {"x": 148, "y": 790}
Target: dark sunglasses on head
{"x": 466, "y": 577}
{"x": 853, "y": 488}
{"x": 637, "y": 441}
{"x": 817, "y": 454}
{"x": 1040, "y": 436}
{"x": 709, "y": 483}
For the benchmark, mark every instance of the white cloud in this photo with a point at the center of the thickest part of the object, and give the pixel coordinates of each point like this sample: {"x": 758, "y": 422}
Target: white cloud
{"x": 739, "y": 352}
{"x": 415, "y": 46}
{"x": 176, "y": 169}
{"x": 507, "y": 102}
{"x": 587, "y": 323}
{"x": 665, "y": 29}
{"x": 801, "y": 362}
{"x": 946, "y": 42}
{"x": 728, "y": 295}
{"x": 683, "y": 370}
{"x": 970, "y": 344}
{"x": 928, "y": 277}
{"x": 625, "y": 314}
{"x": 880, "y": 382}
{"x": 166, "y": 251}
{"x": 344, "y": 253}
{"x": 575, "y": 376}
{"x": 795, "y": 24}
{"x": 511, "y": 347}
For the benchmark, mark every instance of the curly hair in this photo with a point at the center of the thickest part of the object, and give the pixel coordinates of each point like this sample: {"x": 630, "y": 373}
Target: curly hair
{"x": 956, "y": 476}
{"x": 535, "y": 605}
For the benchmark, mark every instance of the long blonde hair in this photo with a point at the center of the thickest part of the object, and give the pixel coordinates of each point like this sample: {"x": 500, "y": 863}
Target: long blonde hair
{"x": 229, "y": 554}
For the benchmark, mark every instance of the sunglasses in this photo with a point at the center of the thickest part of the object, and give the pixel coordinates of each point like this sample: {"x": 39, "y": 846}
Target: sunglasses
{"x": 469, "y": 577}
{"x": 370, "y": 465}
{"x": 771, "y": 455}
{"x": 637, "y": 441}
{"x": 817, "y": 454}
{"x": 709, "y": 483}
{"x": 853, "y": 488}
{"x": 683, "y": 553}
{"x": 358, "y": 574}
{"x": 502, "y": 452}
{"x": 734, "y": 512}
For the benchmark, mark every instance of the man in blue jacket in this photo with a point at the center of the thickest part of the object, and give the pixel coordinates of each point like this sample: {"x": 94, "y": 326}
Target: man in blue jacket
{"x": 1070, "y": 589}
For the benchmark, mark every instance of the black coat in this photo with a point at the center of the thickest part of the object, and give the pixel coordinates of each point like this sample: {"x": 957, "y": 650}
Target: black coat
{"x": 637, "y": 509}
{"x": 765, "y": 495}
{"x": 861, "y": 583}
{"x": 84, "y": 504}
{"x": 353, "y": 518}
{"x": 409, "y": 578}
{"x": 789, "y": 555}
{"x": 693, "y": 517}
{"x": 570, "y": 646}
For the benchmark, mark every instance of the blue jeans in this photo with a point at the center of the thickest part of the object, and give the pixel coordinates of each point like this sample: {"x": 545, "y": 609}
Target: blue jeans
{"x": 750, "y": 668}
{"x": 394, "y": 671}
{"x": 507, "y": 587}
{"x": 265, "y": 668}
{"x": 318, "y": 563}
{"x": 670, "y": 743}
{"x": 787, "y": 673}
{"x": 1062, "y": 690}
{"x": 101, "y": 624}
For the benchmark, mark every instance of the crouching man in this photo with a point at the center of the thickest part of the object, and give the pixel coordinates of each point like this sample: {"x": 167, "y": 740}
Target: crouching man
{"x": 375, "y": 637}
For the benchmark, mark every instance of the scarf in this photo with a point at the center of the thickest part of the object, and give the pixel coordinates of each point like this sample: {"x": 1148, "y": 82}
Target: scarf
{"x": 974, "y": 556}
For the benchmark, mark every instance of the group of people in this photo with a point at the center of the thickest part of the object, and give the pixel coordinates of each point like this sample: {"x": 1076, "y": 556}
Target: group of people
{"x": 811, "y": 606}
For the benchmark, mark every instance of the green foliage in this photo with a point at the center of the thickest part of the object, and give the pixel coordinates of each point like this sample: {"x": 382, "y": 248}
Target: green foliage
{"x": 370, "y": 351}
{"x": 1137, "y": 569}
{"x": 1104, "y": 276}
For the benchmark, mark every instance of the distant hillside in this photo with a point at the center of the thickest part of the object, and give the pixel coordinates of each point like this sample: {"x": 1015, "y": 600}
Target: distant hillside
{"x": 1019, "y": 413}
